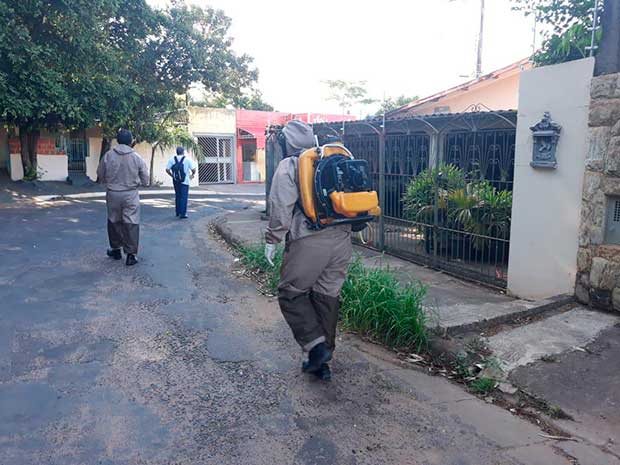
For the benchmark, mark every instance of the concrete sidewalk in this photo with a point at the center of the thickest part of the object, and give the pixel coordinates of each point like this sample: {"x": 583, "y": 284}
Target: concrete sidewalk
{"x": 581, "y": 343}
{"x": 454, "y": 306}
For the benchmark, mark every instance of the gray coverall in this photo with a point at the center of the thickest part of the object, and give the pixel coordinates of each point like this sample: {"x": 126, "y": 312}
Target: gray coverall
{"x": 314, "y": 266}
{"x": 122, "y": 171}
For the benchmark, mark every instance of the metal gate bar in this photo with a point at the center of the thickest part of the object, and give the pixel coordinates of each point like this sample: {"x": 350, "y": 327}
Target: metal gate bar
{"x": 76, "y": 149}
{"x": 484, "y": 158}
{"x": 217, "y": 161}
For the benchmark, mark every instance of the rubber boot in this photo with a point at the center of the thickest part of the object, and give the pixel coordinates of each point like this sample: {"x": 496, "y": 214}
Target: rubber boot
{"x": 324, "y": 373}
{"x": 115, "y": 254}
{"x": 318, "y": 356}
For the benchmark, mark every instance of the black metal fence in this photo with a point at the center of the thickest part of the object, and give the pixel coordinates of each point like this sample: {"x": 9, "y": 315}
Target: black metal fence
{"x": 445, "y": 186}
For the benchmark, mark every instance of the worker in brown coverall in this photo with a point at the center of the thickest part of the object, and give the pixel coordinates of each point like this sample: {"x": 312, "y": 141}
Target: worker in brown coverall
{"x": 122, "y": 171}
{"x": 313, "y": 270}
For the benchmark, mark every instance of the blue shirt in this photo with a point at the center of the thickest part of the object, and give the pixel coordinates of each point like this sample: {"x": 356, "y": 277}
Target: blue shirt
{"x": 188, "y": 166}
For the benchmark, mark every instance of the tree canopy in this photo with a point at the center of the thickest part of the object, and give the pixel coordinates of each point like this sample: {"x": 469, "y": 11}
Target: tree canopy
{"x": 348, "y": 94}
{"x": 120, "y": 63}
{"x": 248, "y": 100}
{"x": 570, "y": 23}
{"x": 392, "y": 103}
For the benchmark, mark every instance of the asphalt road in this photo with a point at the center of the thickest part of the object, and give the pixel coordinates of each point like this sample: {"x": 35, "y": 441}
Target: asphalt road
{"x": 179, "y": 361}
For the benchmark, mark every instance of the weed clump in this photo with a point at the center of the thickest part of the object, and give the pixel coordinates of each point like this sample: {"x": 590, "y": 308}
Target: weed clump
{"x": 375, "y": 303}
{"x": 483, "y": 386}
{"x": 253, "y": 258}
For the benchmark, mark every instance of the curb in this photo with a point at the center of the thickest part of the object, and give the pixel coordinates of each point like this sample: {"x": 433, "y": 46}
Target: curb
{"x": 221, "y": 227}
{"x": 539, "y": 308}
{"x": 97, "y": 195}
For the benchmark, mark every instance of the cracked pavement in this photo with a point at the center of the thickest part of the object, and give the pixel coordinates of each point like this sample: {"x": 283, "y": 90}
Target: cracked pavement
{"x": 178, "y": 361}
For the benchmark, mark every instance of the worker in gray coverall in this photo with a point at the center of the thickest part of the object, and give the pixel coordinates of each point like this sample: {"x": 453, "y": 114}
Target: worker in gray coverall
{"x": 122, "y": 171}
{"x": 313, "y": 269}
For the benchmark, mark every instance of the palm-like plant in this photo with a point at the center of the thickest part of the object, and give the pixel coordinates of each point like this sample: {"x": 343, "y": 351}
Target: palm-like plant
{"x": 476, "y": 208}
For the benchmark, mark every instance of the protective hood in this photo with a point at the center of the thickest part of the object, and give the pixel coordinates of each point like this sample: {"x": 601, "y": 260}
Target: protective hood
{"x": 123, "y": 149}
{"x": 298, "y": 136}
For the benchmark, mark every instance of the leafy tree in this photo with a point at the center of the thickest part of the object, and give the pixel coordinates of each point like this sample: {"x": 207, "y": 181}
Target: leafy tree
{"x": 570, "y": 22}
{"x": 184, "y": 45}
{"x": 391, "y": 103}
{"x": 65, "y": 64}
{"x": 252, "y": 100}
{"x": 50, "y": 52}
{"x": 348, "y": 94}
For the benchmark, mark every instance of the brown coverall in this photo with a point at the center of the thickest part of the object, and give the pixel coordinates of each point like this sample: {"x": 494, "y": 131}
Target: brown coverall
{"x": 122, "y": 171}
{"x": 314, "y": 266}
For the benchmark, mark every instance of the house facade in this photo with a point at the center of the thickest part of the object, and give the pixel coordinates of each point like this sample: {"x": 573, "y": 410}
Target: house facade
{"x": 498, "y": 90}
{"x": 231, "y": 142}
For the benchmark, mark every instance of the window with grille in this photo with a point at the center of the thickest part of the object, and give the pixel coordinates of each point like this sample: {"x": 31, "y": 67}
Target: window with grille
{"x": 612, "y": 223}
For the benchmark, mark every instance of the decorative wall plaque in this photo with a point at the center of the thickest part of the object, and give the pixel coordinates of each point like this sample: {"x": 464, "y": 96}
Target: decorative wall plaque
{"x": 546, "y": 134}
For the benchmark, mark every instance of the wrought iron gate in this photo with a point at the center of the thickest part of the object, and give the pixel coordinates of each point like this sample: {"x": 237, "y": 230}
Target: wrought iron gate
{"x": 446, "y": 192}
{"x": 217, "y": 161}
{"x": 77, "y": 151}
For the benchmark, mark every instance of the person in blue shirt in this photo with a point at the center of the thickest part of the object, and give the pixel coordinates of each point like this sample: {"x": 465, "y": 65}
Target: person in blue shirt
{"x": 181, "y": 169}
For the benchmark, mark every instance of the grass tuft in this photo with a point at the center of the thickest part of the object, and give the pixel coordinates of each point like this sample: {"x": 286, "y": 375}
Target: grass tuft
{"x": 376, "y": 304}
{"x": 253, "y": 258}
{"x": 483, "y": 386}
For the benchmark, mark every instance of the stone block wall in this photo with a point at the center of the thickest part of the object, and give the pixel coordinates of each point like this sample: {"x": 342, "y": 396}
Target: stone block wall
{"x": 598, "y": 264}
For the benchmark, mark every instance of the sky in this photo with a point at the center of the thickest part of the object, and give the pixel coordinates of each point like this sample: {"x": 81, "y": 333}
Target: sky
{"x": 410, "y": 47}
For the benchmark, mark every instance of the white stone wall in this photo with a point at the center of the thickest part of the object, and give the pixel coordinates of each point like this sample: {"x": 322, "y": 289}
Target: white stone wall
{"x": 92, "y": 160}
{"x": 144, "y": 150}
{"x": 53, "y": 167}
{"x": 547, "y": 203}
{"x": 17, "y": 169}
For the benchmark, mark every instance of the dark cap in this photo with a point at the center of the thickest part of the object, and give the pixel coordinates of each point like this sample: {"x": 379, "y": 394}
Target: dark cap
{"x": 124, "y": 136}
{"x": 180, "y": 150}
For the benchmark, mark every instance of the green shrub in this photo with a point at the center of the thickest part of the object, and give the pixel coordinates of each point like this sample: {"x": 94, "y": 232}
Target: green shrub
{"x": 376, "y": 304}
{"x": 475, "y": 207}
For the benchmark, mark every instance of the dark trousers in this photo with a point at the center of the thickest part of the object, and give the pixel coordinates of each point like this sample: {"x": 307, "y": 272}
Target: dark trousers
{"x": 181, "y": 193}
{"x": 124, "y": 236}
{"x": 124, "y": 220}
{"x": 313, "y": 271}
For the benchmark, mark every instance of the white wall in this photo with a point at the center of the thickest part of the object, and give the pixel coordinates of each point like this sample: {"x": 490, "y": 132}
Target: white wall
{"x": 547, "y": 203}
{"x": 212, "y": 121}
{"x": 53, "y": 167}
{"x": 17, "y": 169}
{"x": 92, "y": 160}
{"x": 144, "y": 150}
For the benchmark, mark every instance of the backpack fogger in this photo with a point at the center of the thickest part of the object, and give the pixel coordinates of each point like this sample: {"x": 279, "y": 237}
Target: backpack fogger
{"x": 335, "y": 188}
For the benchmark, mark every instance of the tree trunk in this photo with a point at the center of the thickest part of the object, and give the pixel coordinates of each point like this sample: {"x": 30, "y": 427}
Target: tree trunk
{"x": 29, "y": 139}
{"x": 23, "y": 142}
{"x": 151, "y": 178}
{"x": 105, "y": 146}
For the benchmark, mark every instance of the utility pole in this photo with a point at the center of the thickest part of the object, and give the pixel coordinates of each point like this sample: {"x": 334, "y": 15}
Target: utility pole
{"x": 608, "y": 56}
{"x": 480, "y": 37}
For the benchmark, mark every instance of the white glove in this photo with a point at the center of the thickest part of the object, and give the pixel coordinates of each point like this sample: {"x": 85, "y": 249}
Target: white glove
{"x": 270, "y": 252}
